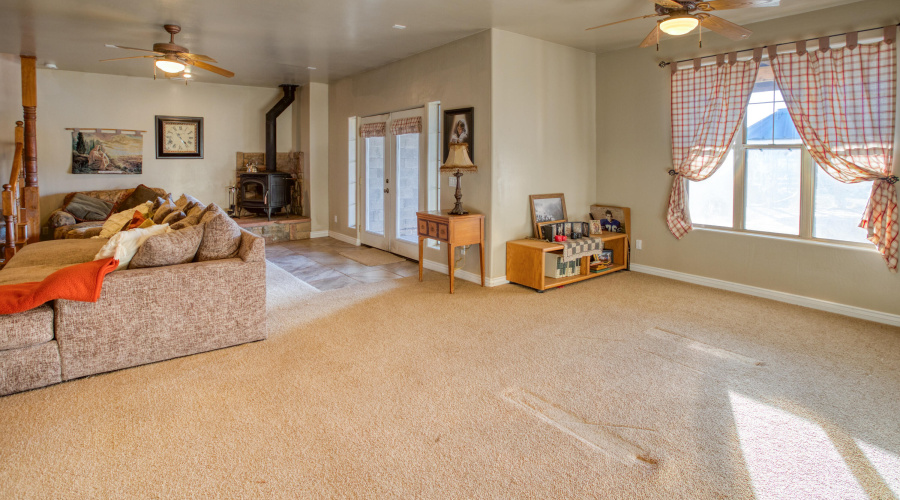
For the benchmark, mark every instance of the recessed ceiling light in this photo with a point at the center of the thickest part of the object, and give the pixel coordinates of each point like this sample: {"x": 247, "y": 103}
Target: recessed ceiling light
{"x": 310, "y": 67}
{"x": 399, "y": 27}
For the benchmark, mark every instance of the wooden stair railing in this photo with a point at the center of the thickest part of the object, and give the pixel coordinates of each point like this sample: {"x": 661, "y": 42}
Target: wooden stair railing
{"x": 13, "y": 209}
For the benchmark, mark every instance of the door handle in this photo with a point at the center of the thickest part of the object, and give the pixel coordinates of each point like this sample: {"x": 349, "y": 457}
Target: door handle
{"x": 386, "y": 190}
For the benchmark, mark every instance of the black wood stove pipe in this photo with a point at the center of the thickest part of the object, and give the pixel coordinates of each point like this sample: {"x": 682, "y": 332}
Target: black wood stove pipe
{"x": 271, "y": 115}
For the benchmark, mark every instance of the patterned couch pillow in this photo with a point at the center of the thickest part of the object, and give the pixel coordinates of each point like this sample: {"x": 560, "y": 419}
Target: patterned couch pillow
{"x": 173, "y": 217}
{"x": 221, "y": 238}
{"x": 163, "y": 211}
{"x": 87, "y": 208}
{"x": 118, "y": 221}
{"x": 190, "y": 220}
{"x": 169, "y": 249}
{"x": 140, "y": 195}
{"x": 184, "y": 201}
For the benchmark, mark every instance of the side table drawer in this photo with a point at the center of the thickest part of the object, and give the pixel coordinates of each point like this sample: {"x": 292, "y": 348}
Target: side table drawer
{"x": 432, "y": 229}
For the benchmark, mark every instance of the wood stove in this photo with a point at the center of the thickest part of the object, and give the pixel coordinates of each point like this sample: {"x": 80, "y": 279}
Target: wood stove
{"x": 266, "y": 191}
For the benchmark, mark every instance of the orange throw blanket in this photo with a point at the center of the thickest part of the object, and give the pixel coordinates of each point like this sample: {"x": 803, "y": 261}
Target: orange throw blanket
{"x": 81, "y": 282}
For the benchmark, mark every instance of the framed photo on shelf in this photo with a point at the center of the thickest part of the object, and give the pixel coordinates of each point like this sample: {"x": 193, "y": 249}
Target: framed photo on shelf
{"x": 547, "y": 209}
{"x": 596, "y": 227}
{"x": 612, "y": 219}
{"x": 459, "y": 127}
{"x": 179, "y": 137}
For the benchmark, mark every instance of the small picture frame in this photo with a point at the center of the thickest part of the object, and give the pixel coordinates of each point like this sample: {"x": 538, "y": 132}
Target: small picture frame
{"x": 179, "y": 137}
{"x": 547, "y": 209}
{"x": 596, "y": 227}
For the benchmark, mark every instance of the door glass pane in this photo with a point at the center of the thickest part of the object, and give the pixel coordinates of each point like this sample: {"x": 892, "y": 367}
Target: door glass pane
{"x": 711, "y": 202}
{"x": 407, "y": 186}
{"x": 375, "y": 185}
{"x": 773, "y": 191}
{"x": 838, "y": 207}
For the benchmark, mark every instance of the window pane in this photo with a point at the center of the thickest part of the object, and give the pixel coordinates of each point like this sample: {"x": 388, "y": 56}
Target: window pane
{"x": 351, "y": 172}
{"x": 711, "y": 202}
{"x": 407, "y": 186}
{"x": 838, "y": 208}
{"x": 375, "y": 185}
{"x": 773, "y": 191}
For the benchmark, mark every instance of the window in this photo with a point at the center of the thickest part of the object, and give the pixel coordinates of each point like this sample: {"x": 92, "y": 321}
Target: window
{"x": 351, "y": 172}
{"x": 769, "y": 183}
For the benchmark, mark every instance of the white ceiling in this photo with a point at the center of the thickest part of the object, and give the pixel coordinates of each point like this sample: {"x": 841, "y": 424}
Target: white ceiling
{"x": 268, "y": 42}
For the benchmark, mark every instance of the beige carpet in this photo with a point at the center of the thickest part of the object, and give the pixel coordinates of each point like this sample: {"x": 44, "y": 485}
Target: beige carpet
{"x": 626, "y": 386}
{"x": 371, "y": 256}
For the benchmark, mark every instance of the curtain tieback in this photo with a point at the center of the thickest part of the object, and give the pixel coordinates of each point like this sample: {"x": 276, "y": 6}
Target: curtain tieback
{"x": 891, "y": 179}
{"x": 673, "y": 173}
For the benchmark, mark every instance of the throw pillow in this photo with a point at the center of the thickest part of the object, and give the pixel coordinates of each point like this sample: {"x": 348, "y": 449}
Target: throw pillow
{"x": 184, "y": 200}
{"x": 221, "y": 238}
{"x": 147, "y": 223}
{"x": 160, "y": 214}
{"x": 197, "y": 209}
{"x": 125, "y": 244}
{"x": 141, "y": 194}
{"x": 209, "y": 212}
{"x": 86, "y": 208}
{"x": 160, "y": 201}
{"x": 191, "y": 220}
{"x": 117, "y": 222}
{"x": 136, "y": 220}
{"x": 173, "y": 217}
{"x": 169, "y": 249}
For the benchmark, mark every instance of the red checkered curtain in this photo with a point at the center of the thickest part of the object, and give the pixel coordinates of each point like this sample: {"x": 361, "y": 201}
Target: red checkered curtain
{"x": 708, "y": 105}
{"x": 843, "y": 103}
{"x": 373, "y": 130}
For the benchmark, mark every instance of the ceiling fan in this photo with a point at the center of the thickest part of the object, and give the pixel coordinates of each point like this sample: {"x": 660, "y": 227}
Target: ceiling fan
{"x": 682, "y": 16}
{"x": 174, "y": 60}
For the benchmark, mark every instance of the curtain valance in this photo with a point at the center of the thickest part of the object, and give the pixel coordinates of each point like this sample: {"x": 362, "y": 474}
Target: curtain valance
{"x": 407, "y": 126}
{"x": 372, "y": 130}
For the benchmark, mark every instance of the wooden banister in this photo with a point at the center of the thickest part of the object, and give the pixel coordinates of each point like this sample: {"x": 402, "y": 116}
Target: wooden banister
{"x": 11, "y": 205}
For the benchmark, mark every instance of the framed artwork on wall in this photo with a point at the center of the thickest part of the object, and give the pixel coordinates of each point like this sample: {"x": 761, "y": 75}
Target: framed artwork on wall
{"x": 107, "y": 151}
{"x": 179, "y": 137}
{"x": 459, "y": 128}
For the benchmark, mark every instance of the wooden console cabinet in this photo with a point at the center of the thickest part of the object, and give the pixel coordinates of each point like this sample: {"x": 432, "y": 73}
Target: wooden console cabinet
{"x": 525, "y": 261}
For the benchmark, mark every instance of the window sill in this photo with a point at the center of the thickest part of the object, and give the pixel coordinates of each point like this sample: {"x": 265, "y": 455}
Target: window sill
{"x": 865, "y": 247}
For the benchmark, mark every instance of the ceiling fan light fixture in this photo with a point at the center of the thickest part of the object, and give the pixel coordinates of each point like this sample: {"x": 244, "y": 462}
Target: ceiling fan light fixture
{"x": 169, "y": 66}
{"x": 679, "y": 24}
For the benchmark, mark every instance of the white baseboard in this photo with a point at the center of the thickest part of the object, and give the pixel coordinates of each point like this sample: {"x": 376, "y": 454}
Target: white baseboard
{"x": 465, "y": 275}
{"x": 318, "y": 234}
{"x": 343, "y": 237}
{"x": 800, "y": 300}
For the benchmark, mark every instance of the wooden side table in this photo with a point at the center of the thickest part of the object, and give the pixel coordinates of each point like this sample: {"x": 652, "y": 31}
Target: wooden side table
{"x": 454, "y": 230}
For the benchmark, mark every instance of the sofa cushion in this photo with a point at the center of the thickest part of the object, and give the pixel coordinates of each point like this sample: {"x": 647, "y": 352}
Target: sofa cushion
{"x": 197, "y": 209}
{"x": 122, "y": 246}
{"x": 55, "y": 253}
{"x": 141, "y": 195}
{"x": 189, "y": 221}
{"x": 184, "y": 200}
{"x": 163, "y": 211}
{"x": 169, "y": 249}
{"x": 23, "y": 329}
{"x": 28, "y": 274}
{"x": 87, "y": 208}
{"x": 174, "y": 217}
{"x": 120, "y": 220}
{"x": 29, "y": 367}
{"x": 79, "y": 231}
{"x": 221, "y": 237}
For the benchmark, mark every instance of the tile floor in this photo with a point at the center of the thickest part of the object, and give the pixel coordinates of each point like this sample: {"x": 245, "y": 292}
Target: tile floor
{"x": 318, "y": 262}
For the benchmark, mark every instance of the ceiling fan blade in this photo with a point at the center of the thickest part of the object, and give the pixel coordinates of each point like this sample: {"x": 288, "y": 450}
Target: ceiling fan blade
{"x": 652, "y": 38}
{"x": 736, "y": 4}
{"x": 209, "y": 67}
{"x": 123, "y": 58}
{"x": 725, "y": 28}
{"x": 132, "y": 48}
{"x": 196, "y": 57}
{"x": 672, "y": 4}
{"x": 622, "y": 21}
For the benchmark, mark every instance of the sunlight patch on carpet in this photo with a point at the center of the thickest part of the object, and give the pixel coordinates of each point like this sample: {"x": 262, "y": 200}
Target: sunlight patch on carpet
{"x": 886, "y": 463}
{"x": 692, "y": 353}
{"x": 788, "y": 456}
{"x": 594, "y": 435}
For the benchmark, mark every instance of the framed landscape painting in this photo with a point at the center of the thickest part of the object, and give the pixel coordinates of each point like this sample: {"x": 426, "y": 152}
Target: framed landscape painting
{"x": 112, "y": 152}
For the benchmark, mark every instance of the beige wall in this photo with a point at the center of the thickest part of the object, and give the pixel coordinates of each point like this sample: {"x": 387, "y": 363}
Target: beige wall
{"x": 457, "y": 74}
{"x": 544, "y": 133}
{"x": 314, "y": 144}
{"x": 633, "y": 155}
{"x": 234, "y": 120}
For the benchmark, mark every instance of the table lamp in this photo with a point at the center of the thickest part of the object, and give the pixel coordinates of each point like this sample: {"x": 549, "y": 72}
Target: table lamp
{"x": 458, "y": 160}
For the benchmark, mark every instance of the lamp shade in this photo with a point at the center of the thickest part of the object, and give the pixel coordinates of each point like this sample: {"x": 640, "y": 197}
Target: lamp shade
{"x": 679, "y": 25}
{"x": 458, "y": 159}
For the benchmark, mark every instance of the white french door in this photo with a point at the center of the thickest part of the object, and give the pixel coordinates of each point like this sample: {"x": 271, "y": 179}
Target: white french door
{"x": 393, "y": 184}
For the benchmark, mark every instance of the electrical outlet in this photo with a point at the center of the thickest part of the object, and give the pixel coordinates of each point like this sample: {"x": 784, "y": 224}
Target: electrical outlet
{"x": 452, "y": 181}
{"x": 638, "y": 244}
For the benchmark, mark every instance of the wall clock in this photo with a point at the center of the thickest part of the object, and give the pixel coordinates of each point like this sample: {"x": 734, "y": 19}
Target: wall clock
{"x": 179, "y": 137}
